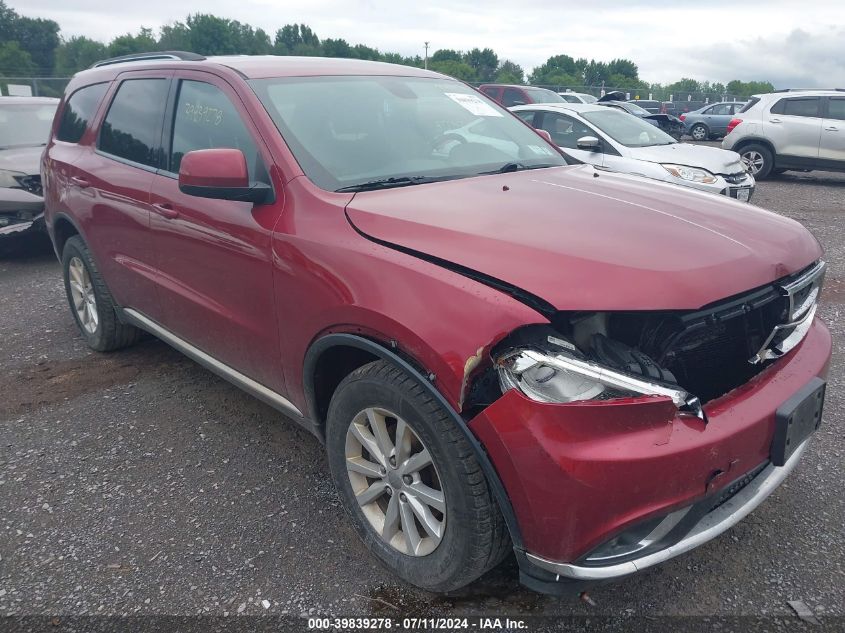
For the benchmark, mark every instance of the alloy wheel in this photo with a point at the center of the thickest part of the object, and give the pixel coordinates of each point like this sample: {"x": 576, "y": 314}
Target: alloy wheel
{"x": 395, "y": 482}
{"x": 753, "y": 160}
{"x": 699, "y": 133}
{"x": 82, "y": 293}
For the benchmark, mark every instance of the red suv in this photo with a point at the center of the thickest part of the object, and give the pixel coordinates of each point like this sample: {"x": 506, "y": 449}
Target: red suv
{"x": 501, "y": 352}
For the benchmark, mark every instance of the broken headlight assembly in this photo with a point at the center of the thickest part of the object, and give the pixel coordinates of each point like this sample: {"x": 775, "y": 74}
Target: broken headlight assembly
{"x": 690, "y": 174}
{"x": 560, "y": 373}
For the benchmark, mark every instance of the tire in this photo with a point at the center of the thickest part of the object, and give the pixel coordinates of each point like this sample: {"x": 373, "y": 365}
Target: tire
{"x": 699, "y": 132}
{"x": 473, "y": 537}
{"x": 777, "y": 171}
{"x": 758, "y": 158}
{"x": 97, "y": 322}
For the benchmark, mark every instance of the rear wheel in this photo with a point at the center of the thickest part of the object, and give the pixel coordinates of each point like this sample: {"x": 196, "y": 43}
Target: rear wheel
{"x": 410, "y": 481}
{"x": 91, "y": 303}
{"x": 699, "y": 132}
{"x": 758, "y": 159}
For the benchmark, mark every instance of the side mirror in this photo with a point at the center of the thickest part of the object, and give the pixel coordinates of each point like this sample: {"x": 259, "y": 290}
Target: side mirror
{"x": 544, "y": 134}
{"x": 220, "y": 173}
{"x": 589, "y": 143}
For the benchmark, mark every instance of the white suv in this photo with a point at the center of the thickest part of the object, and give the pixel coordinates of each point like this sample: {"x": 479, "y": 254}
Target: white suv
{"x": 790, "y": 129}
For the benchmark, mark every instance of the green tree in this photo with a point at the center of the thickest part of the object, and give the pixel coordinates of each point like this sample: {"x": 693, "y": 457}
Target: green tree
{"x": 510, "y": 73}
{"x": 38, "y": 37}
{"x": 77, "y": 53}
{"x": 336, "y": 48}
{"x": 15, "y": 62}
{"x": 456, "y": 69}
{"x": 127, "y": 44}
{"x": 174, "y": 37}
{"x": 680, "y": 90}
{"x": 211, "y": 35}
{"x": 446, "y": 55}
{"x": 483, "y": 62}
{"x": 624, "y": 68}
{"x": 360, "y": 51}
{"x": 555, "y": 69}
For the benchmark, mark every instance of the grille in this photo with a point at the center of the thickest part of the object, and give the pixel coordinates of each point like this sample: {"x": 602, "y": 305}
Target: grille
{"x": 729, "y": 492}
{"x": 734, "y": 179}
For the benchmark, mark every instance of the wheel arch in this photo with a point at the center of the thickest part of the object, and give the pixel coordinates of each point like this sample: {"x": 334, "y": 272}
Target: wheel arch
{"x": 353, "y": 351}
{"x": 63, "y": 228}
{"x": 755, "y": 140}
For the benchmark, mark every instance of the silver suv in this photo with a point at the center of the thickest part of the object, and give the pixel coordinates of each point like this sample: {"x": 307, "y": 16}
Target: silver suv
{"x": 790, "y": 129}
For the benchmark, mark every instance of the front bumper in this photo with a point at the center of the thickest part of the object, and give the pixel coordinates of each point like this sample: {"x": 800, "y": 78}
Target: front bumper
{"x": 580, "y": 474}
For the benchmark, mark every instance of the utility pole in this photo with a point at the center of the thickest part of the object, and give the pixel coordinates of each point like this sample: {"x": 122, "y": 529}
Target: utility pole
{"x": 426, "y": 55}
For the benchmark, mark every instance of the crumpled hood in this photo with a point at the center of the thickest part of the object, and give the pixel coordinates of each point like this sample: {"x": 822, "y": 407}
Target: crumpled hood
{"x": 587, "y": 240}
{"x": 23, "y": 159}
{"x": 713, "y": 159}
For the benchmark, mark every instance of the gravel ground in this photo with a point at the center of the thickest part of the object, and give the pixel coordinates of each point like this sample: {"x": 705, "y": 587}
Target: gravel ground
{"x": 139, "y": 483}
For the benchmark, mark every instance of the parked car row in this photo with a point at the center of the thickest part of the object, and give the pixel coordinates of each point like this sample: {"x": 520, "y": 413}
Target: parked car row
{"x": 487, "y": 339}
{"x": 24, "y": 130}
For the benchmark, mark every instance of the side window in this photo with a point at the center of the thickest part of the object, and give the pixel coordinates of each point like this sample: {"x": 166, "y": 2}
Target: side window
{"x": 527, "y": 116}
{"x": 512, "y": 97}
{"x": 132, "y": 127}
{"x": 836, "y": 108}
{"x": 722, "y": 108}
{"x": 78, "y": 112}
{"x": 206, "y": 119}
{"x": 564, "y": 130}
{"x": 805, "y": 106}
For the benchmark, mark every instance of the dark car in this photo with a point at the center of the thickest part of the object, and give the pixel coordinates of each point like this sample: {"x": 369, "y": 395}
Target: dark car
{"x": 646, "y": 104}
{"x": 511, "y": 95}
{"x": 24, "y": 131}
{"x": 501, "y": 352}
{"x": 672, "y": 125}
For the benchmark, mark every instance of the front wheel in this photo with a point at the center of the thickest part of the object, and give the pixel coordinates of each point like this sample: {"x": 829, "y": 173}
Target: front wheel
{"x": 758, "y": 159}
{"x": 410, "y": 481}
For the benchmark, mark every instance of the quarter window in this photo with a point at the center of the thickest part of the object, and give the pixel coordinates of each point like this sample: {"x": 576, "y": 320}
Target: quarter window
{"x": 721, "y": 109}
{"x": 206, "y": 119}
{"x": 78, "y": 111}
{"x": 132, "y": 127}
{"x": 836, "y": 108}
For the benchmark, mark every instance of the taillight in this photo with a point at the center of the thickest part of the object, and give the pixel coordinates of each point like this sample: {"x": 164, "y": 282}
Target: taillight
{"x": 732, "y": 125}
{"x": 682, "y": 117}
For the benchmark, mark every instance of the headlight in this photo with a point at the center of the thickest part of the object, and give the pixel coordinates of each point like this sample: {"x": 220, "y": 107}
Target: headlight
{"x": 564, "y": 378}
{"x": 691, "y": 174}
{"x": 7, "y": 178}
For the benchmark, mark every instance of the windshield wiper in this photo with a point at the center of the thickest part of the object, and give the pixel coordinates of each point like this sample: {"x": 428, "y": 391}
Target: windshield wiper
{"x": 387, "y": 183}
{"x": 512, "y": 167}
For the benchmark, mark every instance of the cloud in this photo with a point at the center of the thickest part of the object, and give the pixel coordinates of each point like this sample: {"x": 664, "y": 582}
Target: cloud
{"x": 717, "y": 40}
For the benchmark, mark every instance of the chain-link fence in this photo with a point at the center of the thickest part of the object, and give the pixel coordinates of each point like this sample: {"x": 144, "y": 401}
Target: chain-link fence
{"x": 650, "y": 95}
{"x": 33, "y": 86}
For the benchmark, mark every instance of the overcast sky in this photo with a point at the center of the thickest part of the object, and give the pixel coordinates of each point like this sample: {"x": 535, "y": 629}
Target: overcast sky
{"x": 790, "y": 43}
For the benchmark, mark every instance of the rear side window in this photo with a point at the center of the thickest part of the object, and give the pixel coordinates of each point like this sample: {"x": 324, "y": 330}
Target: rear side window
{"x": 132, "y": 127}
{"x": 806, "y": 106}
{"x": 206, "y": 119}
{"x": 753, "y": 101}
{"x": 512, "y": 97}
{"x": 78, "y": 111}
{"x": 836, "y": 108}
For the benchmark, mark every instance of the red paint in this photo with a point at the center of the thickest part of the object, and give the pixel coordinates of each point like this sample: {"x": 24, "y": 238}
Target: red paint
{"x": 221, "y": 167}
{"x": 256, "y": 284}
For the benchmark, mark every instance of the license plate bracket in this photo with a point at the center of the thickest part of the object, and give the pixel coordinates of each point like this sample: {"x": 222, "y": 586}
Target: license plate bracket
{"x": 743, "y": 195}
{"x": 796, "y": 419}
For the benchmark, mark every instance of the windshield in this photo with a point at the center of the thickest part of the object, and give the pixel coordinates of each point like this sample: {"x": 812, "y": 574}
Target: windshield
{"x": 348, "y": 132}
{"x": 25, "y": 125}
{"x": 541, "y": 95}
{"x": 633, "y": 108}
{"x": 589, "y": 98}
{"x": 627, "y": 129}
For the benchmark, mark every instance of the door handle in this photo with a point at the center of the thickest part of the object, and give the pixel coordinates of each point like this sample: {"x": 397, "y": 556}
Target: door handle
{"x": 832, "y": 128}
{"x": 166, "y": 210}
{"x": 80, "y": 182}
{"x": 774, "y": 120}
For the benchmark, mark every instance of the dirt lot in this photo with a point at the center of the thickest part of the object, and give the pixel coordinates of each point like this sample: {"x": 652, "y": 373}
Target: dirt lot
{"x": 139, "y": 483}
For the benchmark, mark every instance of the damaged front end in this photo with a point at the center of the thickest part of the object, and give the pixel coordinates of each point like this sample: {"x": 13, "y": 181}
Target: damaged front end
{"x": 691, "y": 357}
{"x": 626, "y": 438}
{"x": 21, "y": 219}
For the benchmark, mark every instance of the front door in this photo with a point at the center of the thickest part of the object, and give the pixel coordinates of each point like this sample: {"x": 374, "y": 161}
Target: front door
{"x": 214, "y": 256}
{"x": 832, "y": 146}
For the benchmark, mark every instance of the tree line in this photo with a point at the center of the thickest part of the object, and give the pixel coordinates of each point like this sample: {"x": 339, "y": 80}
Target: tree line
{"x": 31, "y": 47}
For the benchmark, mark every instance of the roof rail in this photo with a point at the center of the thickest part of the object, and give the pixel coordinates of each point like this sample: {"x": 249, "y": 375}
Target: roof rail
{"x": 145, "y": 57}
{"x": 810, "y": 90}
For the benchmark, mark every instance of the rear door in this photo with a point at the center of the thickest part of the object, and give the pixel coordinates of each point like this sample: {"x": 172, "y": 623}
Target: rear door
{"x": 718, "y": 117}
{"x": 794, "y": 126}
{"x": 832, "y": 145}
{"x": 214, "y": 256}
{"x": 109, "y": 189}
